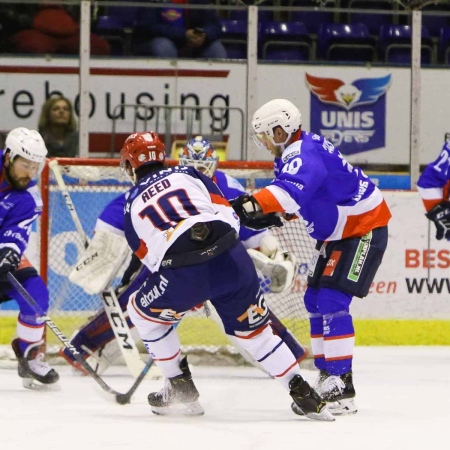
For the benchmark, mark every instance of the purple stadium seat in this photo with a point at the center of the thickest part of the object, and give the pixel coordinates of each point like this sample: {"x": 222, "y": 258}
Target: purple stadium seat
{"x": 234, "y": 38}
{"x": 444, "y": 45}
{"x": 285, "y": 41}
{"x": 395, "y": 44}
{"x": 433, "y": 20}
{"x": 372, "y": 20}
{"x": 345, "y": 42}
{"x": 313, "y": 19}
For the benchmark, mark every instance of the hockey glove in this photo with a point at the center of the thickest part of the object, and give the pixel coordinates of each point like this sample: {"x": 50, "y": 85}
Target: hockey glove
{"x": 251, "y": 216}
{"x": 440, "y": 215}
{"x": 9, "y": 261}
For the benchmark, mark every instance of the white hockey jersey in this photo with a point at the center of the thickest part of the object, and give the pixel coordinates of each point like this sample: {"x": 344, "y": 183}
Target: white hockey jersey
{"x": 165, "y": 204}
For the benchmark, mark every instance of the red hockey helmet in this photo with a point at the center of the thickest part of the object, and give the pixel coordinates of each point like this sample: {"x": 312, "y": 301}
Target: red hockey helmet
{"x": 140, "y": 149}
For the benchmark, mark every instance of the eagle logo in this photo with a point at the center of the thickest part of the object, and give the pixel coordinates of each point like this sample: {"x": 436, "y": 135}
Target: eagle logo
{"x": 364, "y": 91}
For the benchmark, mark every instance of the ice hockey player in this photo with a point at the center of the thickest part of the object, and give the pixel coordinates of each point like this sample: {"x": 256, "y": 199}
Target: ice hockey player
{"x": 433, "y": 187}
{"x": 347, "y": 215}
{"x": 184, "y": 230}
{"x": 20, "y": 205}
{"x": 275, "y": 264}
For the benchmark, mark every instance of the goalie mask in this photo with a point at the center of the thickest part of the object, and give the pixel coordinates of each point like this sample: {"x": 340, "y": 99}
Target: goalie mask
{"x": 140, "y": 149}
{"x": 276, "y": 113}
{"x": 200, "y": 154}
{"x": 28, "y": 144}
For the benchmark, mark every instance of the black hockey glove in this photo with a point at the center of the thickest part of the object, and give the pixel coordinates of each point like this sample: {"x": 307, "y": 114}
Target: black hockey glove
{"x": 265, "y": 221}
{"x": 440, "y": 215}
{"x": 9, "y": 261}
{"x": 255, "y": 219}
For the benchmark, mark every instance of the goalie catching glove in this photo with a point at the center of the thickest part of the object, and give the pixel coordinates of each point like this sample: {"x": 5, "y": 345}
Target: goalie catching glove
{"x": 279, "y": 266}
{"x": 440, "y": 215}
{"x": 251, "y": 216}
{"x": 100, "y": 262}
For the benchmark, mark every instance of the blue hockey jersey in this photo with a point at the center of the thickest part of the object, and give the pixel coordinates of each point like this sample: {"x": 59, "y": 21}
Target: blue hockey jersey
{"x": 314, "y": 181}
{"x": 18, "y": 210}
{"x": 433, "y": 183}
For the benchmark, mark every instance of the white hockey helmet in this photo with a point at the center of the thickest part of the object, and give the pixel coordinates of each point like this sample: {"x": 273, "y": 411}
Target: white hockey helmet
{"x": 277, "y": 112}
{"x": 200, "y": 154}
{"x": 26, "y": 143}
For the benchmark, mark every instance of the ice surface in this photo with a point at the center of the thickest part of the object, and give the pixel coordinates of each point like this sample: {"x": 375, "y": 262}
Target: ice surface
{"x": 403, "y": 395}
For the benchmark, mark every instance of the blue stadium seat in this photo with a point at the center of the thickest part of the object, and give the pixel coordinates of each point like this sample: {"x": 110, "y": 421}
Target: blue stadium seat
{"x": 395, "y": 44}
{"x": 116, "y": 26}
{"x": 444, "y": 45}
{"x": 374, "y": 21}
{"x": 234, "y": 38}
{"x": 345, "y": 42}
{"x": 433, "y": 20}
{"x": 313, "y": 19}
{"x": 285, "y": 41}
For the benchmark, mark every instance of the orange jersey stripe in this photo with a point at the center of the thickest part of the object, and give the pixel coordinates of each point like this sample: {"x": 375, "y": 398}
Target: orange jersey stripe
{"x": 267, "y": 201}
{"x": 361, "y": 224}
{"x": 219, "y": 200}
{"x": 430, "y": 204}
{"x": 142, "y": 250}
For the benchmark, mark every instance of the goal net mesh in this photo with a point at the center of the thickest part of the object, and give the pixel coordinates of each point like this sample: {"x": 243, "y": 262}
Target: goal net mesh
{"x": 92, "y": 184}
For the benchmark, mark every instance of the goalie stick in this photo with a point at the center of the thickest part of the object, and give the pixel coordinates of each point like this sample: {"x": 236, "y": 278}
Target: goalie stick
{"x": 111, "y": 304}
{"x": 120, "y": 398}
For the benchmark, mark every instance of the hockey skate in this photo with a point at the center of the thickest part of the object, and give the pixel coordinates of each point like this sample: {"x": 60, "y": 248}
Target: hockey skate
{"x": 178, "y": 397}
{"x": 339, "y": 393}
{"x": 323, "y": 375}
{"x": 32, "y": 367}
{"x": 307, "y": 400}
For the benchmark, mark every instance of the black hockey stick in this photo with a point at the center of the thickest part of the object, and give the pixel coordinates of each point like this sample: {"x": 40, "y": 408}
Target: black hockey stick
{"x": 120, "y": 398}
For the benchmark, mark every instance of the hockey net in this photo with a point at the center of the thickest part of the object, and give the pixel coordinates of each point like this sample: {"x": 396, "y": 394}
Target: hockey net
{"x": 92, "y": 184}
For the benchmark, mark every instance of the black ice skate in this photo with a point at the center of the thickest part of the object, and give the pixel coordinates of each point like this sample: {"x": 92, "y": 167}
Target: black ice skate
{"x": 323, "y": 375}
{"x": 307, "y": 400}
{"x": 178, "y": 397}
{"x": 339, "y": 393}
{"x": 32, "y": 367}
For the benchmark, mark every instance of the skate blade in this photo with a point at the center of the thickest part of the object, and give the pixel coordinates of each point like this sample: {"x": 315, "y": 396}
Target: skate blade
{"x": 343, "y": 407}
{"x": 324, "y": 415}
{"x": 31, "y": 383}
{"x": 179, "y": 409}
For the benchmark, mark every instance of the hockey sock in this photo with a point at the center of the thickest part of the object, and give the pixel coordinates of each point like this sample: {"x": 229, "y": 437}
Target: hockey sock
{"x": 316, "y": 326}
{"x": 338, "y": 331}
{"x": 273, "y": 355}
{"x": 29, "y": 329}
{"x": 280, "y": 330}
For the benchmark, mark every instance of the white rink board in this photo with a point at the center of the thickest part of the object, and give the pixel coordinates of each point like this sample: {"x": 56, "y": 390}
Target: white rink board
{"x": 403, "y": 398}
{"x": 408, "y": 236}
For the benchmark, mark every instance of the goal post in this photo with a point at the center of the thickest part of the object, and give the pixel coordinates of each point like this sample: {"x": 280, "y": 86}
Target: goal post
{"x": 92, "y": 183}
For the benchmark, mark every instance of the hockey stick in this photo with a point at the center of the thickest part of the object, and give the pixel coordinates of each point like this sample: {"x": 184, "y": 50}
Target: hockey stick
{"x": 120, "y": 398}
{"x": 111, "y": 304}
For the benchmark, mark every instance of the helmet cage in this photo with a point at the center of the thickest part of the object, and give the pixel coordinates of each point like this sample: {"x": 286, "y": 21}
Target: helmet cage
{"x": 200, "y": 154}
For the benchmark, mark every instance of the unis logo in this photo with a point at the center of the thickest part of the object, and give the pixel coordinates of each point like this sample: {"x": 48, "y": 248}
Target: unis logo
{"x": 351, "y": 116}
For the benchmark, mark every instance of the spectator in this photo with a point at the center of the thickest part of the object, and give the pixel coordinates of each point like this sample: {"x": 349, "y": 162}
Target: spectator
{"x": 58, "y": 127}
{"x": 174, "y": 32}
{"x": 46, "y": 29}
